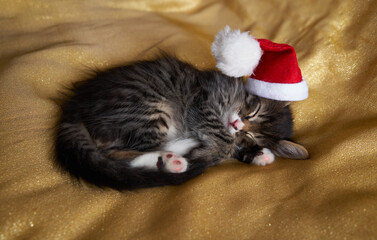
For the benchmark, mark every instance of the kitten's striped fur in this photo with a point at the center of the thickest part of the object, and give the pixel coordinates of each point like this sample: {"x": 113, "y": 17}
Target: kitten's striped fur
{"x": 148, "y": 124}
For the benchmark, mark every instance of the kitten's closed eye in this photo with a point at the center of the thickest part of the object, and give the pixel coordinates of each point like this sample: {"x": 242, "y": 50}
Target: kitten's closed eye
{"x": 251, "y": 109}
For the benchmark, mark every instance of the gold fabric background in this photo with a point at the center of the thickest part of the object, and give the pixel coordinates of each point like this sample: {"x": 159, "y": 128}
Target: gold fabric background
{"x": 45, "y": 45}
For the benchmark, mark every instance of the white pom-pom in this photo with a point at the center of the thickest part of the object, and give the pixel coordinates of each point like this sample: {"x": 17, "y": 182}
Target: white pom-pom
{"x": 237, "y": 54}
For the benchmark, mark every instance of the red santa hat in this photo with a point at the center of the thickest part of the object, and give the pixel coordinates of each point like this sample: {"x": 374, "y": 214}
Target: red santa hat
{"x": 272, "y": 67}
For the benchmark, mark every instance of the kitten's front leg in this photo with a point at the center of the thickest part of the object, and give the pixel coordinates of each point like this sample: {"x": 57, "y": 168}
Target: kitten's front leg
{"x": 263, "y": 157}
{"x": 256, "y": 155}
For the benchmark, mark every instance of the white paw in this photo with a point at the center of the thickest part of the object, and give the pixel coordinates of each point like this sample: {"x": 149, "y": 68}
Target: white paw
{"x": 264, "y": 157}
{"x": 174, "y": 163}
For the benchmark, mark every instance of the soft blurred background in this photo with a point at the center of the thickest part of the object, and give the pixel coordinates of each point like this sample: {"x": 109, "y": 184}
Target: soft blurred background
{"x": 46, "y": 45}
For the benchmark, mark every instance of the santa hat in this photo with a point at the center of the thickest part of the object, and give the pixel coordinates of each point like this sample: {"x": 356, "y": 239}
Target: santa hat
{"x": 272, "y": 67}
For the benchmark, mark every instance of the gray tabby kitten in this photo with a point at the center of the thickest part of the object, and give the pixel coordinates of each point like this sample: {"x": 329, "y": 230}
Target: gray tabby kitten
{"x": 164, "y": 122}
{"x": 148, "y": 124}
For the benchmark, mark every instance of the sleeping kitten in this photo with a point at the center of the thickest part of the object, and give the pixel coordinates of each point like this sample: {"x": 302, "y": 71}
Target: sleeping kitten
{"x": 148, "y": 124}
{"x": 268, "y": 126}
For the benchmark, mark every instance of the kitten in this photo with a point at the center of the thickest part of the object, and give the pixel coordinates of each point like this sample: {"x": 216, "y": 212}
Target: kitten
{"x": 148, "y": 124}
{"x": 268, "y": 126}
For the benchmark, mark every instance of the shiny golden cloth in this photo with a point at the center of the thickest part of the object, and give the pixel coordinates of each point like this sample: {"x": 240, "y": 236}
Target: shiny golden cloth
{"x": 45, "y": 45}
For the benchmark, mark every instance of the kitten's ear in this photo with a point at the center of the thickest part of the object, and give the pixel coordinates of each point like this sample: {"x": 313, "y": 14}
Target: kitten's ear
{"x": 288, "y": 149}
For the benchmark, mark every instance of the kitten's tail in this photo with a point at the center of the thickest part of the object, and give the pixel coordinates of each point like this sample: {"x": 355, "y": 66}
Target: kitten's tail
{"x": 78, "y": 154}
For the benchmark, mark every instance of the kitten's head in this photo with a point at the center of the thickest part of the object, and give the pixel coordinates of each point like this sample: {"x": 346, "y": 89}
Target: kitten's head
{"x": 268, "y": 124}
{"x": 225, "y": 95}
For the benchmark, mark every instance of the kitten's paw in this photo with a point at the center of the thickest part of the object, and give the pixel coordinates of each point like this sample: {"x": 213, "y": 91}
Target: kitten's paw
{"x": 263, "y": 157}
{"x": 171, "y": 162}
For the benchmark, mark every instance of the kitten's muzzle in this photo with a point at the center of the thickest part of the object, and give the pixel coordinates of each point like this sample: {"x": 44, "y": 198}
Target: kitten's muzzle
{"x": 237, "y": 124}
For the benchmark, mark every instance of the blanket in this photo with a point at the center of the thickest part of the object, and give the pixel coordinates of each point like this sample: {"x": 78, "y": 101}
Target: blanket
{"x": 47, "y": 45}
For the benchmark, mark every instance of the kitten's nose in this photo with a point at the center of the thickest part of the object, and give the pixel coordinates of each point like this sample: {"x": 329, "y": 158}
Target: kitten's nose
{"x": 237, "y": 124}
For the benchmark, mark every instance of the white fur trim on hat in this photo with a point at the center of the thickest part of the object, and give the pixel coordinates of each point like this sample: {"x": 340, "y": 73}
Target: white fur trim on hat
{"x": 237, "y": 54}
{"x": 278, "y": 91}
